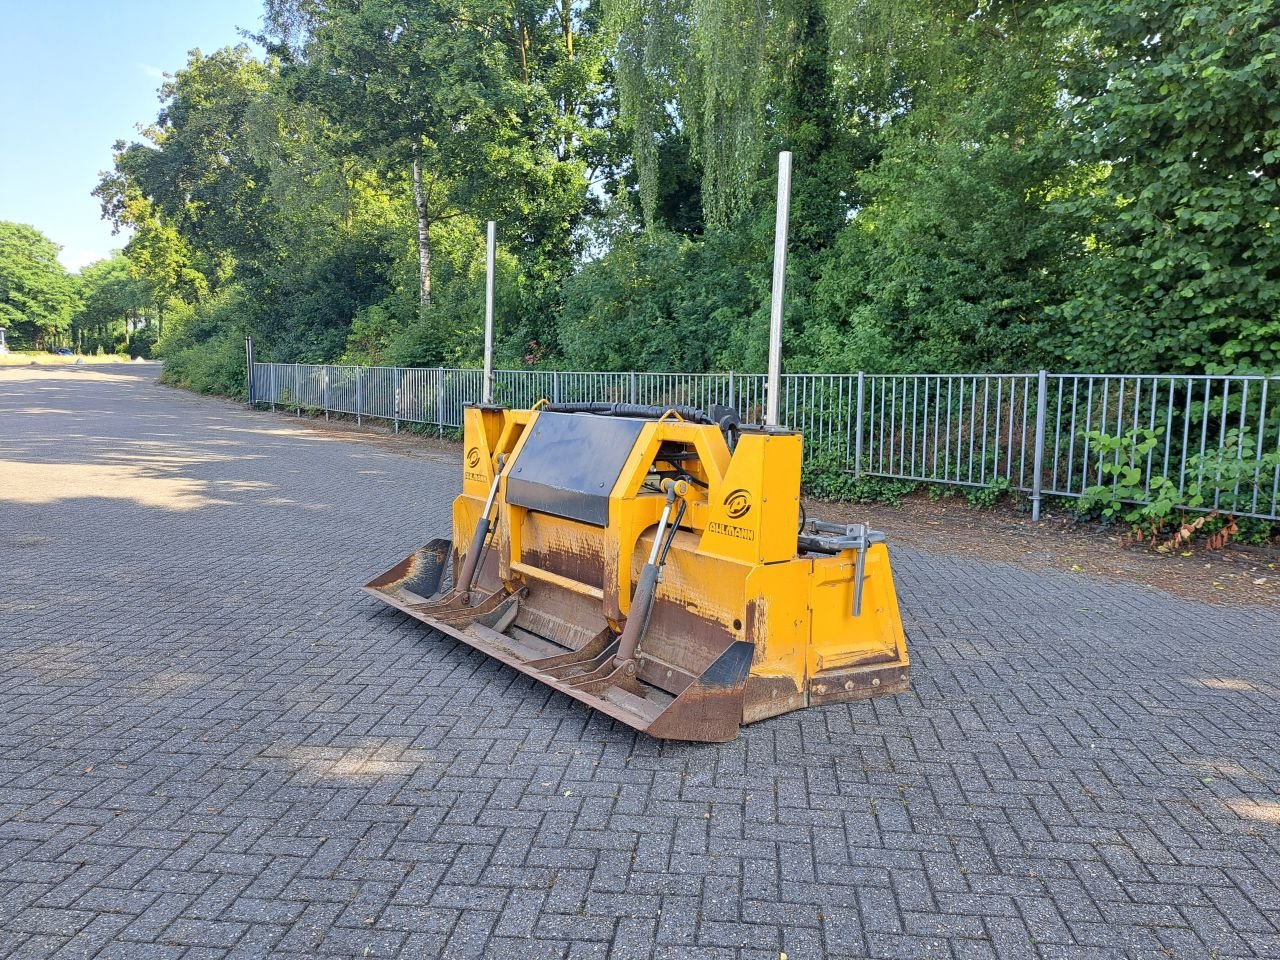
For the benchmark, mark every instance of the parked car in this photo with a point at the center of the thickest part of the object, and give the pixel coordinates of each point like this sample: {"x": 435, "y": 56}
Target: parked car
{"x": 65, "y": 352}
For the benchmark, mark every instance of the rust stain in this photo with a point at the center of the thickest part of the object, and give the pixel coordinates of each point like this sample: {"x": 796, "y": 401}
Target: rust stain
{"x": 756, "y": 620}
{"x": 858, "y": 683}
{"x": 703, "y": 713}
{"x": 765, "y": 697}
{"x": 584, "y": 566}
{"x": 682, "y": 636}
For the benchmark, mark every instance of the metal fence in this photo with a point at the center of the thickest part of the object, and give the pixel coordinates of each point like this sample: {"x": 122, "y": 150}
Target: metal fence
{"x": 1215, "y": 438}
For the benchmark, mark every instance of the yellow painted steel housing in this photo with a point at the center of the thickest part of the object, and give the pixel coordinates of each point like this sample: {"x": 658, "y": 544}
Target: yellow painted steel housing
{"x": 747, "y": 620}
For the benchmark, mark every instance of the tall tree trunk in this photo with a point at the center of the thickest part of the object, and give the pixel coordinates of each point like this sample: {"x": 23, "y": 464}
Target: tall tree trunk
{"x": 524, "y": 50}
{"x": 566, "y": 25}
{"x": 567, "y": 106}
{"x": 424, "y": 234}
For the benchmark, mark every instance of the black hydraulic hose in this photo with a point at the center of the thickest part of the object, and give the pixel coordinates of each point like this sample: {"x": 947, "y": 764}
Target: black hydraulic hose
{"x": 639, "y": 410}
{"x": 671, "y": 534}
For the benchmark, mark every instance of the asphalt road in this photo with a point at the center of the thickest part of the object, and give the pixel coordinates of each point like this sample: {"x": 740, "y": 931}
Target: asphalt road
{"x": 212, "y": 744}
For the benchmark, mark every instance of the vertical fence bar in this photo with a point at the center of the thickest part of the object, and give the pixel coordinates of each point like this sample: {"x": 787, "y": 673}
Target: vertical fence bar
{"x": 1240, "y": 437}
{"x": 973, "y": 419}
{"x": 1168, "y": 429}
{"x": 1022, "y": 437}
{"x": 326, "y": 391}
{"x": 1037, "y": 468}
{"x": 1222, "y": 439}
{"x": 1275, "y": 483}
{"x": 857, "y": 435}
{"x": 1262, "y": 432}
{"x": 995, "y": 435}
{"x": 440, "y": 401}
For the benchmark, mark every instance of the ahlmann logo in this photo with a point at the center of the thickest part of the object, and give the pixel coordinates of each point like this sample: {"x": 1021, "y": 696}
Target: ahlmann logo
{"x": 737, "y": 503}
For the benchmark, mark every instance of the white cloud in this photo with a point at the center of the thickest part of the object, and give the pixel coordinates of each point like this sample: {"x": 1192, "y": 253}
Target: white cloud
{"x": 154, "y": 72}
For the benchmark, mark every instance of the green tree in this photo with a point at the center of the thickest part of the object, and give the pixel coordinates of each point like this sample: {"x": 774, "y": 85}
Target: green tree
{"x": 450, "y": 93}
{"x": 197, "y": 165}
{"x": 114, "y": 308}
{"x": 37, "y": 295}
{"x": 1178, "y": 101}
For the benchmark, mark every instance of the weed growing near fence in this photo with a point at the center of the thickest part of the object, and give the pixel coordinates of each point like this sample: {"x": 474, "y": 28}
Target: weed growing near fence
{"x": 985, "y": 498}
{"x": 1224, "y": 481}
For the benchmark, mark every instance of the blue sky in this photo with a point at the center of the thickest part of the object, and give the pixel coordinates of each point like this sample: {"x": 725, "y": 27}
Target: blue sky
{"x": 77, "y": 75}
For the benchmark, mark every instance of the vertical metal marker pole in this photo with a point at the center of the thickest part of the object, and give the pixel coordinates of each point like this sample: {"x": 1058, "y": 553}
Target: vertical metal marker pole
{"x": 779, "y": 282}
{"x": 1042, "y": 402}
{"x": 488, "y": 312}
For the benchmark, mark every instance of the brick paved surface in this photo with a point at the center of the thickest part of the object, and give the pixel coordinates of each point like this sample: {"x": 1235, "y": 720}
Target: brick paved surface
{"x": 211, "y": 744}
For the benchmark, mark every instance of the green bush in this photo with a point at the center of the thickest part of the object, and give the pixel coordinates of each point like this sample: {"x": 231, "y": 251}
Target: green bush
{"x": 212, "y": 366}
{"x": 985, "y": 498}
{"x": 141, "y": 342}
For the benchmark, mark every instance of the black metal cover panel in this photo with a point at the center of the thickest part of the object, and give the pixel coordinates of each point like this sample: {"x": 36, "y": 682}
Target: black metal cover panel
{"x": 569, "y": 464}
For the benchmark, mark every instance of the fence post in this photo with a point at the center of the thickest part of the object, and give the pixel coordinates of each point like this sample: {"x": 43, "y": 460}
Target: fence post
{"x": 733, "y": 392}
{"x": 1042, "y": 403}
{"x": 326, "y": 391}
{"x": 273, "y": 388}
{"x": 297, "y": 389}
{"x": 857, "y": 430}
{"x": 440, "y": 401}
{"x": 359, "y": 395}
{"x": 397, "y": 410}
{"x": 633, "y": 386}
{"x": 248, "y": 365}
{"x": 555, "y": 386}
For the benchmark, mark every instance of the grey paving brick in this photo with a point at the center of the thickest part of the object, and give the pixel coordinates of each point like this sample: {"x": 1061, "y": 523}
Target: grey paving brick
{"x": 213, "y": 745}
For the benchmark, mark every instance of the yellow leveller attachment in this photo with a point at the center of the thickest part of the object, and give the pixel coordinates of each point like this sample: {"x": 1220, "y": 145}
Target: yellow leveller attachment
{"x": 651, "y": 563}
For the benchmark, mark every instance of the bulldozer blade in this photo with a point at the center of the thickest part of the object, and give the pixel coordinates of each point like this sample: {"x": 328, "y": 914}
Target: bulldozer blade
{"x": 424, "y": 575}
{"x": 708, "y": 710}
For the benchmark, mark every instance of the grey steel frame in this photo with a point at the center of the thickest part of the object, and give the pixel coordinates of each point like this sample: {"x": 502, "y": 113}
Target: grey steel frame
{"x": 1029, "y": 430}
